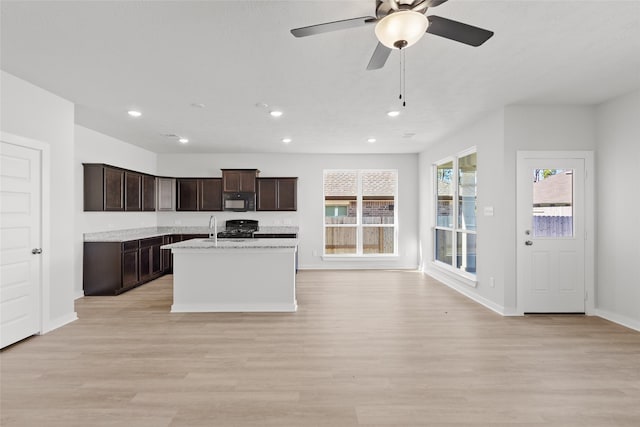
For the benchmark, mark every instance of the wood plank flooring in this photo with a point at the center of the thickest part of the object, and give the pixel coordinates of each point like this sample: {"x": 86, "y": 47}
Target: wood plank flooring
{"x": 375, "y": 348}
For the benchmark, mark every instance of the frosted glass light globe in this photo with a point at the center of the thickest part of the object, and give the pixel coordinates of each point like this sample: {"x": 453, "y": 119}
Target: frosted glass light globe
{"x": 401, "y": 29}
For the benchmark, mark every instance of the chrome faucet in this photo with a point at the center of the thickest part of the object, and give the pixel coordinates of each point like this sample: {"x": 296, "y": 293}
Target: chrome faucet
{"x": 213, "y": 235}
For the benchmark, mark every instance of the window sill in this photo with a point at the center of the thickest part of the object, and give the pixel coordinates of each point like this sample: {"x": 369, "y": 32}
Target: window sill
{"x": 468, "y": 279}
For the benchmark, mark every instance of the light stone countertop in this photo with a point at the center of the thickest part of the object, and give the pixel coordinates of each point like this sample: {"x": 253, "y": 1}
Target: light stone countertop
{"x": 234, "y": 244}
{"x": 144, "y": 233}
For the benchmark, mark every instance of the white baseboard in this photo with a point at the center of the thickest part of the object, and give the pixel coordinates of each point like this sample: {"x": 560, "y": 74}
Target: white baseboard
{"x": 355, "y": 266}
{"x": 233, "y": 308}
{"x": 79, "y": 294}
{"x": 619, "y": 319}
{"x": 466, "y": 291}
{"x": 58, "y": 322}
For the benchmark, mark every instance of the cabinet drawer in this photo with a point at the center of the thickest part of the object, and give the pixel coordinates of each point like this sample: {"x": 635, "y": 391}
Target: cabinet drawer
{"x": 152, "y": 241}
{"x": 129, "y": 246}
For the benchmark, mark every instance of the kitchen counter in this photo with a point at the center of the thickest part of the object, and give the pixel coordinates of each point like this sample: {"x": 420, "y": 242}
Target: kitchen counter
{"x": 146, "y": 232}
{"x": 234, "y": 275}
{"x": 234, "y": 244}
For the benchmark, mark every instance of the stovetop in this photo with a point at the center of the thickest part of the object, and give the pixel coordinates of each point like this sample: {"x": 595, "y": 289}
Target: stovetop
{"x": 239, "y": 229}
{"x": 235, "y": 234}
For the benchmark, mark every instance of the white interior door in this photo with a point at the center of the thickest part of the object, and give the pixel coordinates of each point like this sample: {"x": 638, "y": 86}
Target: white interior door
{"x": 551, "y": 234}
{"x": 20, "y": 235}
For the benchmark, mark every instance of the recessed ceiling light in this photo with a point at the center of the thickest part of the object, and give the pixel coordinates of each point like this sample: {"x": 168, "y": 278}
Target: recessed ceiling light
{"x": 286, "y": 140}
{"x": 198, "y": 105}
{"x": 183, "y": 140}
{"x": 371, "y": 140}
{"x": 276, "y": 113}
{"x": 134, "y": 113}
{"x": 393, "y": 113}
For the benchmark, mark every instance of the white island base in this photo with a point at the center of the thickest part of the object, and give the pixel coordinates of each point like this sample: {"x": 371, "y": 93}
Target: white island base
{"x": 223, "y": 278}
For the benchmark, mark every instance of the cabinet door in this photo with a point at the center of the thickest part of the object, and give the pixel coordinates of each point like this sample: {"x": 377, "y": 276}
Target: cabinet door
{"x": 156, "y": 261}
{"x": 133, "y": 182}
{"x": 210, "y": 194}
{"x": 187, "y": 194}
{"x": 148, "y": 193}
{"x": 287, "y": 194}
{"x": 267, "y": 194}
{"x": 113, "y": 189}
{"x": 231, "y": 181}
{"x": 248, "y": 181}
{"x": 167, "y": 259}
{"x": 166, "y": 194}
{"x": 130, "y": 276}
{"x": 145, "y": 263}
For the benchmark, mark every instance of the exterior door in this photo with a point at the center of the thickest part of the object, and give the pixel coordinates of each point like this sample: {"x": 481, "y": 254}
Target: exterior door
{"x": 20, "y": 235}
{"x": 551, "y": 234}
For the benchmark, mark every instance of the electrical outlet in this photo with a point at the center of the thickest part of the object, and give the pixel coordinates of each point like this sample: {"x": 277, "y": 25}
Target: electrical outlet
{"x": 492, "y": 282}
{"x": 315, "y": 253}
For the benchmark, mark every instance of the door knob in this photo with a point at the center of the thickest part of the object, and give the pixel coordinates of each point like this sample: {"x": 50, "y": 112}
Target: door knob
{"x": 528, "y": 243}
{"x": 36, "y": 251}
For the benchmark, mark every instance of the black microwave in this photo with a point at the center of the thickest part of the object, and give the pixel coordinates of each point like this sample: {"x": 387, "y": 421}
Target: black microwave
{"x": 239, "y": 202}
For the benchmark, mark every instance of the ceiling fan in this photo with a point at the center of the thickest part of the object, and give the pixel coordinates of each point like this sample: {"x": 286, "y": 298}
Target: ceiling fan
{"x": 401, "y": 23}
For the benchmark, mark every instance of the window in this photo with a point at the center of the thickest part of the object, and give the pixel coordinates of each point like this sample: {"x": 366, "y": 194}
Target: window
{"x": 360, "y": 214}
{"x": 456, "y": 206}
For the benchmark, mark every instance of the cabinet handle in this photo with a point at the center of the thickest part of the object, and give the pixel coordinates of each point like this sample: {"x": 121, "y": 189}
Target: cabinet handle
{"x": 36, "y": 251}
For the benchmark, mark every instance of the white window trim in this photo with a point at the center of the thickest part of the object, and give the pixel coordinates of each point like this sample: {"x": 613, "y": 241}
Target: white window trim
{"x": 469, "y": 279}
{"x": 359, "y": 225}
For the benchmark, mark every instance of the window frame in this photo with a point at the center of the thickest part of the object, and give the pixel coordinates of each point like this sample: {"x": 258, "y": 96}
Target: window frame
{"x": 471, "y": 278}
{"x": 359, "y": 225}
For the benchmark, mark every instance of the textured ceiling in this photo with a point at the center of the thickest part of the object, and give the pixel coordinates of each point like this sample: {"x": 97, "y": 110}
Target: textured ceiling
{"x": 161, "y": 57}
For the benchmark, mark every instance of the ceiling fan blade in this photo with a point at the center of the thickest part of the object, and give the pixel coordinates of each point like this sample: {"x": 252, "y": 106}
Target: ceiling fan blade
{"x": 434, "y": 3}
{"x": 454, "y": 30}
{"x": 379, "y": 57}
{"x": 332, "y": 26}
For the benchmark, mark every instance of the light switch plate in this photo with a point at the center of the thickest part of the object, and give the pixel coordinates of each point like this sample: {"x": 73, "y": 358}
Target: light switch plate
{"x": 488, "y": 211}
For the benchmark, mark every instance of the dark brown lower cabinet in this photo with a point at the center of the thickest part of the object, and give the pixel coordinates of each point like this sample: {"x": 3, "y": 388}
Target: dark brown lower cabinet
{"x": 110, "y": 268}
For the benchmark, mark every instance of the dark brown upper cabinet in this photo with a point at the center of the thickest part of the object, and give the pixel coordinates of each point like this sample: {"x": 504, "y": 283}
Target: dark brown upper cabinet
{"x": 103, "y": 188}
{"x": 198, "y": 194}
{"x": 277, "y": 194}
{"x": 133, "y": 186}
{"x": 148, "y": 193}
{"x": 107, "y": 188}
{"x": 239, "y": 180}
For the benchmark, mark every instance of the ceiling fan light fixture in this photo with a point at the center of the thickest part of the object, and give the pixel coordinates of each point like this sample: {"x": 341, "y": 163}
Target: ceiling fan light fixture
{"x": 401, "y": 29}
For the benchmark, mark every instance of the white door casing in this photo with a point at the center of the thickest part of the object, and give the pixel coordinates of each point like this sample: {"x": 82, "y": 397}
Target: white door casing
{"x": 554, "y": 274}
{"x": 20, "y": 234}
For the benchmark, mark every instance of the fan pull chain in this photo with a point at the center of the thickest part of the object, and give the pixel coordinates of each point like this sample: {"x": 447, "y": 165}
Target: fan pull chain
{"x": 403, "y": 94}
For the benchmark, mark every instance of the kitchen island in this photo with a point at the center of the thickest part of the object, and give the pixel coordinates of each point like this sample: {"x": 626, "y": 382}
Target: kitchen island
{"x": 234, "y": 275}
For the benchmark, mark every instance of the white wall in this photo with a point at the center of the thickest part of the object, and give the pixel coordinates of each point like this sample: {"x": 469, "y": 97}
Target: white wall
{"x": 31, "y": 112}
{"x": 94, "y": 147}
{"x": 487, "y": 136}
{"x": 498, "y": 137}
{"x": 309, "y": 216}
{"x": 618, "y": 210}
{"x": 531, "y": 128}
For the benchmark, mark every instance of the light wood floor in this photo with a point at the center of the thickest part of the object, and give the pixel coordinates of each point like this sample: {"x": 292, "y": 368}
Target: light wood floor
{"x": 365, "y": 348}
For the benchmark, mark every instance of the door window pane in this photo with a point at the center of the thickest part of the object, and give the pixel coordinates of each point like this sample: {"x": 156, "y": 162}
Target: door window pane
{"x": 340, "y": 240}
{"x": 467, "y": 176}
{"x": 466, "y": 253}
{"x": 552, "y": 203}
{"x": 444, "y": 246}
{"x": 377, "y": 240}
{"x": 445, "y": 195}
